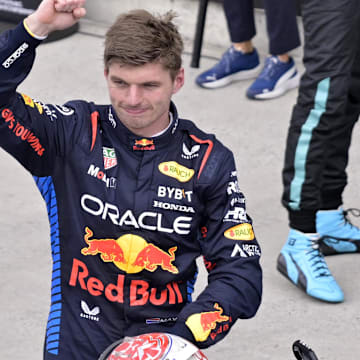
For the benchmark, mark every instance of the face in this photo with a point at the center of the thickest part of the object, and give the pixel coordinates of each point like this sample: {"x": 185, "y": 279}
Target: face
{"x": 141, "y": 95}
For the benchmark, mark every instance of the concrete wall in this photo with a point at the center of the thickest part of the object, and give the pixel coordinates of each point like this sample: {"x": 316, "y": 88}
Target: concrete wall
{"x": 216, "y": 37}
{"x": 105, "y": 11}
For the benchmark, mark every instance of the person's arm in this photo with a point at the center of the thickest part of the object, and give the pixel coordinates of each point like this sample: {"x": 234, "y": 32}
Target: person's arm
{"x": 27, "y": 128}
{"x": 232, "y": 257}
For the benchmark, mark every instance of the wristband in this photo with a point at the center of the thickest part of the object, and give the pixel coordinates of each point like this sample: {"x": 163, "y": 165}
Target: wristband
{"x": 32, "y": 34}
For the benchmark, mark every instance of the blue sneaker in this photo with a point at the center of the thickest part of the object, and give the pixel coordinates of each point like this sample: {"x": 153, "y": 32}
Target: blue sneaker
{"x": 338, "y": 235}
{"x": 302, "y": 263}
{"x": 275, "y": 79}
{"x": 234, "y": 65}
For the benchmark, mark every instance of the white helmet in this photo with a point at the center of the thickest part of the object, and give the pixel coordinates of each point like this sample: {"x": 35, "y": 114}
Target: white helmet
{"x": 153, "y": 346}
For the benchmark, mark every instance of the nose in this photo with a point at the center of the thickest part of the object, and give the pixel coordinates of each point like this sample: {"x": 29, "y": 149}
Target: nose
{"x": 134, "y": 96}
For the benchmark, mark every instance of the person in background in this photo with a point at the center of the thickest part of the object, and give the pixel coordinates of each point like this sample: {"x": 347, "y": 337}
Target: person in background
{"x": 317, "y": 148}
{"x": 241, "y": 60}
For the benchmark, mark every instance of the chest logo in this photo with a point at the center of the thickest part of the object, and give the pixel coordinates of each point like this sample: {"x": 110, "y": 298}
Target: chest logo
{"x": 130, "y": 253}
{"x": 144, "y": 144}
{"x": 177, "y": 171}
{"x": 109, "y": 158}
{"x": 190, "y": 153}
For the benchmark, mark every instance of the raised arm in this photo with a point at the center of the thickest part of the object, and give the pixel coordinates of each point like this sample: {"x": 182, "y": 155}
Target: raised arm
{"x": 27, "y": 127}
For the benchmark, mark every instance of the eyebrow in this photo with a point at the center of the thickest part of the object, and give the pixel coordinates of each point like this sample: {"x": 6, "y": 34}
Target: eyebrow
{"x": 115, "y": 78}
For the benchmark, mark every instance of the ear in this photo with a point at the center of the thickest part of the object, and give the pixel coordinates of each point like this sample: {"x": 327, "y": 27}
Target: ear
{"x": 106, "y": 72}
{"x": 179, "y": 81}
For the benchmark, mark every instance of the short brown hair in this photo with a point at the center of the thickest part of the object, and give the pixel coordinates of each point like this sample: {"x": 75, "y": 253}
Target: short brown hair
{"x": 138, "y": 37}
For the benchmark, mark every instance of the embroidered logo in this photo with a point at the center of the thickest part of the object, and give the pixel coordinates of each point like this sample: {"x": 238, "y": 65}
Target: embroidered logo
{"x": 109, "y": 158}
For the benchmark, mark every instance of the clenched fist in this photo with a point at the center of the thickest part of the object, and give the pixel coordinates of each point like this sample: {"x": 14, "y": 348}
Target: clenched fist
{"x": 55, "y": 15}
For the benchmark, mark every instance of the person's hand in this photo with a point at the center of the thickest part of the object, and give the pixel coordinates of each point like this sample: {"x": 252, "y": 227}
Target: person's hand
{"x": 54, "y": 15}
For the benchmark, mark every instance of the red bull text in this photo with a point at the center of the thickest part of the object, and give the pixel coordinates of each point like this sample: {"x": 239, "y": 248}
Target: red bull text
{"x": 140, "y": 291}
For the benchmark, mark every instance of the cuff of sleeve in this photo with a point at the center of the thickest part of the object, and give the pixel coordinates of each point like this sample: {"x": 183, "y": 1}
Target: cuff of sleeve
{"x": 37, "y": 37}
{"x": 183, "y": 331}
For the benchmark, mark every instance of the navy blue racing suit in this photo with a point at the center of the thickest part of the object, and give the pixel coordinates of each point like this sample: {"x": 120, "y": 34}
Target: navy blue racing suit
{"x": 129, "y": 216}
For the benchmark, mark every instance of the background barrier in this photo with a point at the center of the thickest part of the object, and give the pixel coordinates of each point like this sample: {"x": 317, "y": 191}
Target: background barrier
{"x": 14, "y": 11}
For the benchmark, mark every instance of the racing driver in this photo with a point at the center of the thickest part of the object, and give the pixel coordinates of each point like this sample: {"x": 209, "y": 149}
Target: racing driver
{"x": 134, "y": 193}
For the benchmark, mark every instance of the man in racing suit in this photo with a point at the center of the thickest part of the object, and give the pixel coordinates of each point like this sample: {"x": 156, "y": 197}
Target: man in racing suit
{"x": 134, "y": 194}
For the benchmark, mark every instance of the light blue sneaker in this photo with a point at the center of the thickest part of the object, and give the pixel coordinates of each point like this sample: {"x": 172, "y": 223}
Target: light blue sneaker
{"x": 302, "y": 263}
{"x": 275, "y": 79}
{"x": 338, "y": 235}
{"x": 234, "y": 65}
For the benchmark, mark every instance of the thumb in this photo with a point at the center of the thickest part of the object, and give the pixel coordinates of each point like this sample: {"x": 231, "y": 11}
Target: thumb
{"x": 79, "y": 13}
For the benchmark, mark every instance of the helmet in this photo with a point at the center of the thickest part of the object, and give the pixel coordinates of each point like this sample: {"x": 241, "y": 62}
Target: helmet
{"x": 153, "y": 346}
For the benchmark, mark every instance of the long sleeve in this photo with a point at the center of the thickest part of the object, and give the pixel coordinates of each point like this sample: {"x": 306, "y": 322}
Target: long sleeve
{"x": 232, "y": 255}
{"x": 33, "y": 132}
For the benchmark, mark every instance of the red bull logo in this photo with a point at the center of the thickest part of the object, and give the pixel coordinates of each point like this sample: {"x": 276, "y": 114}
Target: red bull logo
{"x": 130, "y": 253}
{"x": 109, "y": 249}
{"x": 202, "y": 324}
{"x": 144, "y": 144}
{"x": 209, "y": 319}
{"x": 151, "y": 257}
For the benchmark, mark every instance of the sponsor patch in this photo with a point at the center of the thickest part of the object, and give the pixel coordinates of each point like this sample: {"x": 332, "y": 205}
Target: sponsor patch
{"x": 202, "y": 324}
{"x": 245, "y": 250}
{"x": 89, "y": 314}
{"x": 174, "y": 193}
{"x": 141, "y": 293}
{"x": 111, "y": 119}
{"x": 148, "y": 220}
{"x": 237, "y": 214}
{"x": 22, "y": 132}
{"x": 240, "y": 232}
{"x": 30, "y": 102}
{"x": 190, "y": 153}
{"x": 237, "y": 200}
{"x": 64, "y": 110}
{"x": 233, "y": 187}
{"x": 160, "y": 320}
{"x": 172, "y": 206}
{"x": 109, "y": 158}
{"x": 130, "y": 253}
{"x": 15, "y": 55}
{"x": 144, "y": 145}
{"x": 95, "y": 172}
{"x": 176, "y": 171}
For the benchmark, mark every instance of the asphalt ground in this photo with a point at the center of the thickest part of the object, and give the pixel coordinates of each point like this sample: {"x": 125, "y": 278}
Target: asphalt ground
{"x": 72, "y": 69}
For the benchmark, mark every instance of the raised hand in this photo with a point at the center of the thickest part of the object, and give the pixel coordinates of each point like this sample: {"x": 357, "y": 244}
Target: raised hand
{"x": 55, "y": 15}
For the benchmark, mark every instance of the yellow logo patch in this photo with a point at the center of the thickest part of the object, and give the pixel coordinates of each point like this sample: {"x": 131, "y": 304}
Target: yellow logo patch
{"x": 202, "y": 324}
{"x": 240, "y": 232}
{"x": 30, "y": 102}
{"x": 177, "y": 171}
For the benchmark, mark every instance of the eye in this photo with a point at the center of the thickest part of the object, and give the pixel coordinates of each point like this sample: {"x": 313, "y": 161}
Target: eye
{"x": 119, "y": 82}
{"x": 151, "y": 85}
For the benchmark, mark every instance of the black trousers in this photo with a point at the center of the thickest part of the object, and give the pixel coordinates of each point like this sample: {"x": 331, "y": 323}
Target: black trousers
{"x": 327, "y": 108}
{"x": 280, "y": 19}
